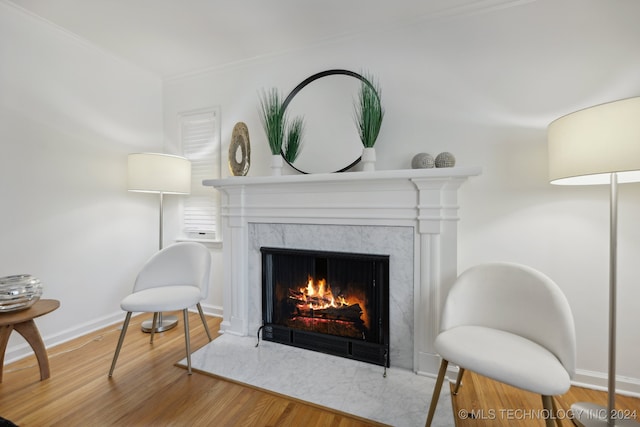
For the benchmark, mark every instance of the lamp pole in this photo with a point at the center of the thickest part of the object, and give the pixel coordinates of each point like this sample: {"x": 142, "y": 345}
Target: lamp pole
{"x": 587, "y": 414}
{"x": 161, "y": 222}
{"x": 164, "y": 323}
{"x": 613, "y": 284}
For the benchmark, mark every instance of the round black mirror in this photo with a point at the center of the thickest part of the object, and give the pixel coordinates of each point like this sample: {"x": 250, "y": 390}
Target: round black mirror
{"x": 331, "y": 141}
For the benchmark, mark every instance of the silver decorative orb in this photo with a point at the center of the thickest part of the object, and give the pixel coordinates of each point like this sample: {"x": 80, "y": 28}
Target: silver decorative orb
{"x": 422, "y": 161}
{"x": 19, "y": 292}
{"x": 445, "y": 160}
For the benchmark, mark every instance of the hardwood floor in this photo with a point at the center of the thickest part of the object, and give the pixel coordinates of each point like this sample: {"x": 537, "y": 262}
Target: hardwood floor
{"x": 147, "y": 389}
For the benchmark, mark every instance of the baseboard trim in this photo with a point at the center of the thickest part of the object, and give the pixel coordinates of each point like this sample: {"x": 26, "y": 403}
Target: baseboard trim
{"x": 20, "y": 351}
{"x": 625, "y": 386}
{"x": 212, "y": 310}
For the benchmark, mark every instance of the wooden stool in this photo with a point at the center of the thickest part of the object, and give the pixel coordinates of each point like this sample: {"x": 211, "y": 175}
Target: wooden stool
{"x": 22, "y": 322}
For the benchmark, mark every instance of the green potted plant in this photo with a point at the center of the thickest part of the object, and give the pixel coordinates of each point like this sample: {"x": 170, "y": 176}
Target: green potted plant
{"x": 284, "y": 137}
{"x": 369, "y": 114}
{"x": 273, "y": 121}
{"x": 293, "y": 142}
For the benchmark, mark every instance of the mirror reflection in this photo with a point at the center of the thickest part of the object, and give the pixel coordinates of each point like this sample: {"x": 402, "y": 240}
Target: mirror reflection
{"x": 326, "y": 102}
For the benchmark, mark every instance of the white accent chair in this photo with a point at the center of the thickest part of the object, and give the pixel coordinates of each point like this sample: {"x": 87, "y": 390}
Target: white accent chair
{"x": 510, "y": 323}
{"x": 175, "y": 278}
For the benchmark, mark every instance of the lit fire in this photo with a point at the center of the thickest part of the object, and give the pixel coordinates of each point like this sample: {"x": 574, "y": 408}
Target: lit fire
{"x": 317, "y": 301}
{"x": 319, "y": 296}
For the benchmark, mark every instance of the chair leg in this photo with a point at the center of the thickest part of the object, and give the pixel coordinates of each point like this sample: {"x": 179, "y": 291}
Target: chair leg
{"x": 185, "y": 314}
{"x": 436, "y": 392}
{"x": 120, "y": 341}
{"x": 204, "y": 321}
{"x": 458, "y": 381}
{"x": 549, "y": 406}
{"x": 153, "y": 327}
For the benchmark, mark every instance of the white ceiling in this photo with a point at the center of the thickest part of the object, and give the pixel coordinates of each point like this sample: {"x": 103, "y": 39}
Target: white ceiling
{"x": 175, "y": 37}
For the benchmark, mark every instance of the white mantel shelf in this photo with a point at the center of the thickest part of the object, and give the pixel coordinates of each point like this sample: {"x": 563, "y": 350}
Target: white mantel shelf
{"x": 401, "y": 174}
{"x": 424, "y": 200}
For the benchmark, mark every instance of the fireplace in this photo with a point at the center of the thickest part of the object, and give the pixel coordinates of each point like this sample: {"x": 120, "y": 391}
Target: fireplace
{"x": 332, "y": 302}
{"x": 411, "y": 214}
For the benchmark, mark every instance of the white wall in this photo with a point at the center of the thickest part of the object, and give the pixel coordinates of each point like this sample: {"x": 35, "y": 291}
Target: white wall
{"x": 485, "y": 87}
{"x": 69, "y": 115}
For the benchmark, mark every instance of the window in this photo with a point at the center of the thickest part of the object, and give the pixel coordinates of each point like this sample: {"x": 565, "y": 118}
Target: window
{"x": 200, "y": 141}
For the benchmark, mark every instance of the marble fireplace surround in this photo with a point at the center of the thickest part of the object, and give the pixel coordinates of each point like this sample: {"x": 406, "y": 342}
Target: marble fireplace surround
{"x": 410, "y": 215}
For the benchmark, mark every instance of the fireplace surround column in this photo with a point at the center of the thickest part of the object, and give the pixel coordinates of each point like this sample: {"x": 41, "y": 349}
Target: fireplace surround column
{"x": 437, "y": 229}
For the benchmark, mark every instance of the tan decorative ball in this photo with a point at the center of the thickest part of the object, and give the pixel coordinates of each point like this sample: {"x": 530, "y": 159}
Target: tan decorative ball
{"x": 445, "y": 160}
{"x": 422, "y": 161}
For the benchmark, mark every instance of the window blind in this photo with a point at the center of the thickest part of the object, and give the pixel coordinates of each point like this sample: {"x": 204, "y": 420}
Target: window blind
{"x": 200, "y": 140}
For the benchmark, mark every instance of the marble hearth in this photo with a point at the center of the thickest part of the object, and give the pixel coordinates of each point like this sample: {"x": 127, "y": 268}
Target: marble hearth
{"x": 410, "y": 215}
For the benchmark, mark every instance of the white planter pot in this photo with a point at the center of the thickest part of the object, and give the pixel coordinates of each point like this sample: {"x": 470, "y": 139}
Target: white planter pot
{"x": 276, "y": 164}
{"x": 368, "y": 159}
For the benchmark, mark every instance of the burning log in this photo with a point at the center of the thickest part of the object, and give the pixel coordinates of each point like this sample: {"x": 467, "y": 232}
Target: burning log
{"x": 318, "y": 302}
{"x": 295, "y": 294}
{"x": 314, "y": 300}
{"x": 350, "y": 313}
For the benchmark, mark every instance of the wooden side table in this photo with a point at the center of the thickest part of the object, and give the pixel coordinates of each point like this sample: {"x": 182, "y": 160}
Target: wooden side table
{"x": 22, "y": 322}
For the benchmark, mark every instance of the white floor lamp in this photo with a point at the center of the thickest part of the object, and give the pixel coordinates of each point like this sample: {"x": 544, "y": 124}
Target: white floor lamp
{"x": 599, "y": 145}
{"x": 161, "y": 174}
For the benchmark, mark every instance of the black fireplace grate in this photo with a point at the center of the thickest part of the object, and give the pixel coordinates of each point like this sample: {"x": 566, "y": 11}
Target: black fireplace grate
{"x": 337, "y": 346}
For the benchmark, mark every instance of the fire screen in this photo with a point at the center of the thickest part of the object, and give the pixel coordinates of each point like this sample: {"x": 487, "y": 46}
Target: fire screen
{"x": 333, "y": 302}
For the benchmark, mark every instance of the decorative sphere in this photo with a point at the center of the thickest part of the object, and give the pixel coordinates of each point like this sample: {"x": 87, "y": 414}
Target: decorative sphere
{"x": 445, "y": 160}
{"x": 422, "y": 161}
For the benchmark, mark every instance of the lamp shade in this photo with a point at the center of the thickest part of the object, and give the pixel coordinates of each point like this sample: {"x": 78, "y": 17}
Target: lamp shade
{"x": 585, "y": 147}
{"x": 159, "y": 173}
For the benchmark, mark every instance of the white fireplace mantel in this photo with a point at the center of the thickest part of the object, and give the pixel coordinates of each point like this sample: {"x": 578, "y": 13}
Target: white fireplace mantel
{"x": 423, "y": 199}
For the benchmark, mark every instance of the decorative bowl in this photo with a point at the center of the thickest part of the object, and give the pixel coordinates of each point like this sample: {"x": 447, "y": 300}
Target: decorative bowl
{"x": 19, "y": 292}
